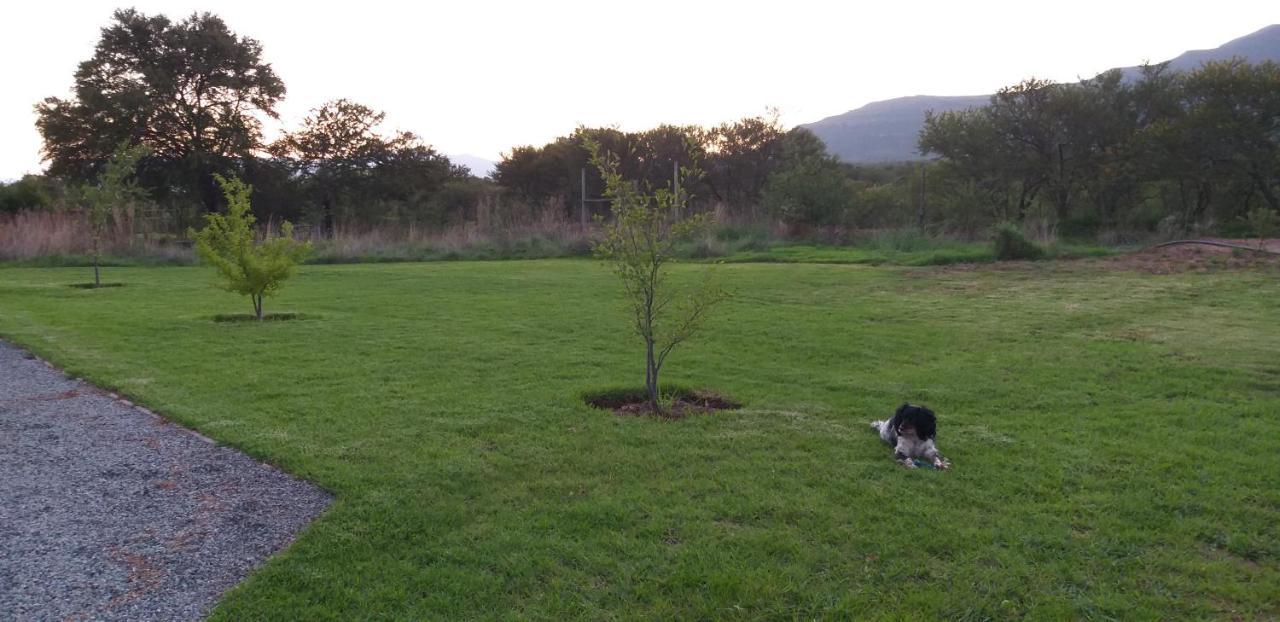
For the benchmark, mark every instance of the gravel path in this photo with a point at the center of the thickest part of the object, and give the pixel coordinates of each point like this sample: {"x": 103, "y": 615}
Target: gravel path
{"x": 109, "y": 512}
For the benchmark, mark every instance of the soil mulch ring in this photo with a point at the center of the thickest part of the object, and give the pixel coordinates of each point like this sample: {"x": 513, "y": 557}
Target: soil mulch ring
{"x": 266, "y": 317}
{"x": 680, "y": 402}
{"x": 95, "y": 285}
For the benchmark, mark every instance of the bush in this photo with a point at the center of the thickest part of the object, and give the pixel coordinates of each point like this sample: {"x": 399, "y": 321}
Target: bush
{"x": 1012, "y": 245}
{"x": 815, "y": 192}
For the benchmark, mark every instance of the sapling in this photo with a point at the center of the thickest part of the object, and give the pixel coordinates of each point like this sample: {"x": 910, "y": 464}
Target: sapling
{"x": 115, "y": 188}
{"x": 639, "y": 243}
{"x": 246, "y": 266}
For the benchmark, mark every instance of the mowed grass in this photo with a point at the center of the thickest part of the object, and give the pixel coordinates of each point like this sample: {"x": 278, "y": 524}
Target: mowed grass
{"x": 1115, "y": 438}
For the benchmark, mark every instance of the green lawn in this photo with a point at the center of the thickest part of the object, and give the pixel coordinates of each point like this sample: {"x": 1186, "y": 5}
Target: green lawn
{"x": 1115, "y": 438}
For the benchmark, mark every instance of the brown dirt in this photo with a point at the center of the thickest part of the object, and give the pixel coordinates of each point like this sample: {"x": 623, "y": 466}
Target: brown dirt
{"x": 1181, "y": 258}
{"x": 698, "y": 402}
{"x": 1194, "y": 258}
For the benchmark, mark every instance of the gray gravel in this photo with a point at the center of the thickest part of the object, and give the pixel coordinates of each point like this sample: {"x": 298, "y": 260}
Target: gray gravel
{"x": 108, "y": 512}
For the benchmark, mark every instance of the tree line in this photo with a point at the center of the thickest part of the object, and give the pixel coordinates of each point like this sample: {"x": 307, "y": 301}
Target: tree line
{"x": 1167, "y": 150}
{"x": 1164, "y": 150}
{"x": 195, "y": 94}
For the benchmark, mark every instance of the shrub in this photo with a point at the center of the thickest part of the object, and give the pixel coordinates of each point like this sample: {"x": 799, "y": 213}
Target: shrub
{"x": 1262, "y": 223}
{"x": 1012, "y": 245}
{"x": 815, "y": 192}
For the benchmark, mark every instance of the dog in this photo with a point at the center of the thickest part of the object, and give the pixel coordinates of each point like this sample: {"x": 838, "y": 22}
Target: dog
{"x": 911, "y": 431}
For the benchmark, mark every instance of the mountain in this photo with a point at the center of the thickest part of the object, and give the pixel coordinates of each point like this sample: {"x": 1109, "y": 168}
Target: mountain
{"x": 479, "y": 166}
{"x": 1257, "y": 47}
{"x": 886, "y": 131}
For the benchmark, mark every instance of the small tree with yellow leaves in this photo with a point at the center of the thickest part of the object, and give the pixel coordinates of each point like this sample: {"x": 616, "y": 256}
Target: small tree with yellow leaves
{"x": 246, "y": 265}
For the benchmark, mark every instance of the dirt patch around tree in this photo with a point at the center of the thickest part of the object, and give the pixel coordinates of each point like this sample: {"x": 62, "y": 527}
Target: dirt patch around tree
{"x": 266, "y": 317}
{"x": 95, "y": 285}
{"x": 677, "y": 402}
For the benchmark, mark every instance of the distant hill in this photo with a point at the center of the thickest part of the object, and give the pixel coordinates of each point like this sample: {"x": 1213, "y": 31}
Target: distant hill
{"x": 886, "y": 131}
{"x": 479, "y": 166}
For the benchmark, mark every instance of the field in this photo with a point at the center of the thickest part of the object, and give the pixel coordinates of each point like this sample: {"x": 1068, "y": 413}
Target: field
{"x": 1114, "y": 435}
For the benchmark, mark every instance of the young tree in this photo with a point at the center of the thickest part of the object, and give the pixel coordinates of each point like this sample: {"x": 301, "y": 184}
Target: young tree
{"x": 115, "y": 188}
{"x": 639, "y": 243}
{"x": 255, "y": 269}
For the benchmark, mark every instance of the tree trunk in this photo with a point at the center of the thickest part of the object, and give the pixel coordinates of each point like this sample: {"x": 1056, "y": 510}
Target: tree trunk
{"x": 257, "y": 305}
{"x": 651, "y": 375}
{"x": 1022, "y": 205}
{"x": 326, "y": 216}
{"x": 97, "y": 279}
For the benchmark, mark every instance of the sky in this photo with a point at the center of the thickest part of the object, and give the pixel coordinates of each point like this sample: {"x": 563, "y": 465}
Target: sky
{"x": 480, "y": 77}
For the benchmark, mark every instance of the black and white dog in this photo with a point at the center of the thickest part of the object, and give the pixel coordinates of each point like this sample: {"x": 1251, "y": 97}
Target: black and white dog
{"x": 911, "y": 432}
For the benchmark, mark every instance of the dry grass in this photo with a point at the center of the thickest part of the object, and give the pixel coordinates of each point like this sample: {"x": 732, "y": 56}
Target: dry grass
{"x": 548, "y": 234}
{"x": 29, "y": 235}
{"x": 63, "y": 237}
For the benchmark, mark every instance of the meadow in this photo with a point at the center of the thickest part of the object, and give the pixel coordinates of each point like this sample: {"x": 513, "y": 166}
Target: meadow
{"x": 1114, "y": 437}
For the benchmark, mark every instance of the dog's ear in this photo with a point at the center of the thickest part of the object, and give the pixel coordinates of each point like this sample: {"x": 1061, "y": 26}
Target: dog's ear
{"x": 927, "y": 423}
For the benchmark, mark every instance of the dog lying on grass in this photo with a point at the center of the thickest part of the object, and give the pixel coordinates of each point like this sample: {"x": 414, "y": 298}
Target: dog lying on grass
{"x": 911, "y": 431}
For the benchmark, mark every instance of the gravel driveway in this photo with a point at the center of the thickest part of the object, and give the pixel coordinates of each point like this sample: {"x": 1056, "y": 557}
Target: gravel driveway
{"x": 110, "y": 512}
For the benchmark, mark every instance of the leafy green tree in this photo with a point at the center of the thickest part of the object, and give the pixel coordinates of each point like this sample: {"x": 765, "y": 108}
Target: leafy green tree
{"x": 741, "y": 156}
{"x": 193, "y": 91}
{"x": 972, "y": 148}
{"x": 1234, "y": 107}
{"x": 346, "y": 164}
{"x": 814, "y": 191}
{"x": 32, "y": 192}
{"x": 116, "y": 188}
{"x": 639, "y": 243}
{"x": 253, "y": 268}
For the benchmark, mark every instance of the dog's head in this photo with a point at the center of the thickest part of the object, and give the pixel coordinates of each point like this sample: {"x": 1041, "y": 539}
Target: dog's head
{"x": 918, "y": 420}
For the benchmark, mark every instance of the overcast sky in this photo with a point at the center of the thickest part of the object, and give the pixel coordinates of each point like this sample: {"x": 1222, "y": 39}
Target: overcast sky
{"x": 480, "y": 77}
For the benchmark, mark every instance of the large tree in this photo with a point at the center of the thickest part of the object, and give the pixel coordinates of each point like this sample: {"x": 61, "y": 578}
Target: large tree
{"x": 192, "y": 91}
{"x": 1234, "y": 107}
{"x": 347, "y": 163}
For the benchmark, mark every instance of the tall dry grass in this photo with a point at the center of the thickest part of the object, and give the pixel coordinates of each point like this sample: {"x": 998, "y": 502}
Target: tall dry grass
{"x": 541, "y": 233}
{"x": 32, "y": 234}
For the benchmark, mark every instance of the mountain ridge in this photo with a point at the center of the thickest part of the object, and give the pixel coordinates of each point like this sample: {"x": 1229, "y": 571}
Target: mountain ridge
{"x": 887, "y": 130}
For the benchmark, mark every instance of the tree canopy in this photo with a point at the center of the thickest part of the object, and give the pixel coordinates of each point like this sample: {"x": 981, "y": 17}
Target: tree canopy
{"x": 191, "y": 91}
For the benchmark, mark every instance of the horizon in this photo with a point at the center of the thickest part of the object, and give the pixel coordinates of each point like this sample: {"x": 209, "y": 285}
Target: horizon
{"x": 464, "y": 108}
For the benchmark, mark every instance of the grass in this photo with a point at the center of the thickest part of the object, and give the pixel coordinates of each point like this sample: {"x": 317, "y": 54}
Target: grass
{"x": 1114, "y": 438}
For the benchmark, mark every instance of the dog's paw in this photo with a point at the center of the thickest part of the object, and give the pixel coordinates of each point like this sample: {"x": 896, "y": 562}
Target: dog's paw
{"x": 941, "y": 463}
{"x": 910, "y": 464}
